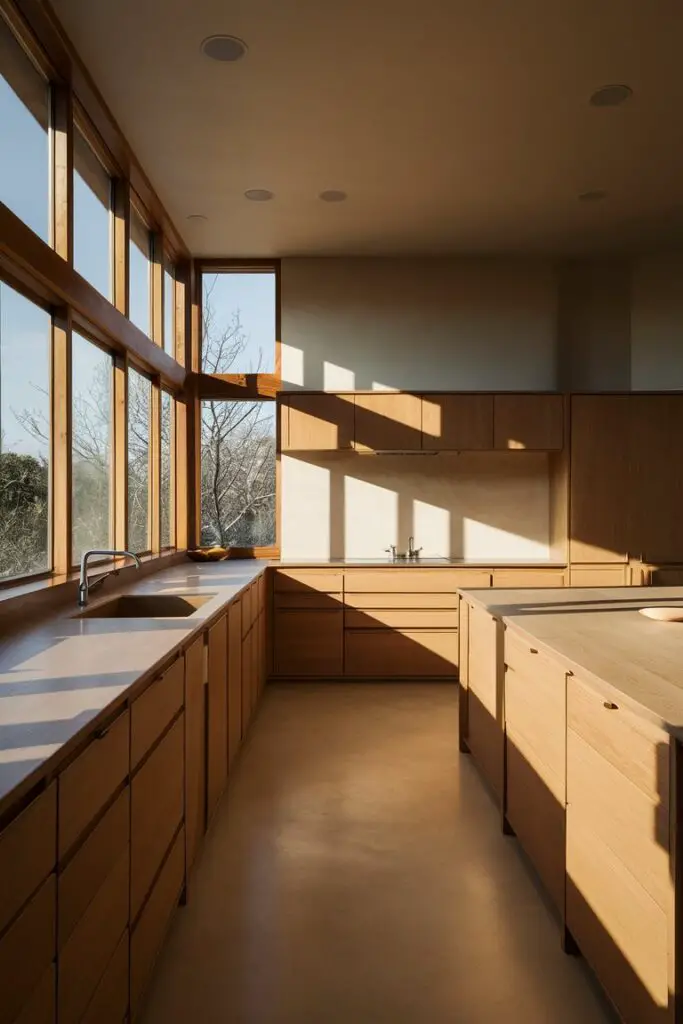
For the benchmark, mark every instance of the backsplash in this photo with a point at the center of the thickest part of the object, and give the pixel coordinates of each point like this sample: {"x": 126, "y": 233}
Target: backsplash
{"x": 485, "y": 505}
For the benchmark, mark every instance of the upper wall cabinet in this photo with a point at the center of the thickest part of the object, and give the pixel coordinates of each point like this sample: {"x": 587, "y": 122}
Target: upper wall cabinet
{"x": 528, "y": 421}
{"x": 317, "y": 422}
{"x": 388, "y": 421}
{"x": 457, "y": 422}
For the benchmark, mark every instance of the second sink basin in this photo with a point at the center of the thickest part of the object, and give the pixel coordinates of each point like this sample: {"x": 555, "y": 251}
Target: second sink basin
{"x": 147, "y": 606}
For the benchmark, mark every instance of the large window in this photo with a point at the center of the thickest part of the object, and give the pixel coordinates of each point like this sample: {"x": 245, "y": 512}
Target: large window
{"x": 139, "y": 406}
{"x": 25, "y": 331}
{"x": 140, "y": 254}
{"x": 169, "y": 308}
{"x": 92, "y": 217}
{"x": 238, "y": 473}
{"x": 91, "y": 446}
{"x": 238, "y": 322}
{"x": 25, "y": 152}
{"x": 166, "y": 466}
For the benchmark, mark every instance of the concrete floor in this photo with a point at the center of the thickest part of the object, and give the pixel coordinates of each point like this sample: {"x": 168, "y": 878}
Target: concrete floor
{"x": 356, "y": 874}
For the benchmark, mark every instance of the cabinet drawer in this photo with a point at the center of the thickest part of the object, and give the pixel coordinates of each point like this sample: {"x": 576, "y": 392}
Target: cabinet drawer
{"x": 195, "y": 748}
{"x": 396, "y": 618}
{"x": 528, "y": 578}
{"x": 84, "y": 875}
{"x": 151, "y": 928}
{"x": 302, "y": 580}
{"x": 305, "y": 600}
{"x": 154, "y": 710}
{"x": 368, "y": 601}
{"x": 393, "y": 653}
{"x": 41, "y": 1007}
{"x": 91, "y": 780}
{"x": 483, "y": 659}
{"x": 109, "y": 1004}
{"x": 403, "y": 581}
{"x": 620, "y": 930}
{"x": 537, "y": 814}
{"x": 525, "y": 658}
{"x": 26, "y": 951}
{"x": 28, "y": 850}
{"x": 156, "y": 811}
{"x": 84, "y": 958}
{"x": 633, "y": 825}
{"x": 636, "y": 747}
{"x": 308, "y": 643}
{"x": 486, "y": 741}
{"x": 599, "y": 576}
{"x": 535, "y": 723}
{"x": 247, "y": 616}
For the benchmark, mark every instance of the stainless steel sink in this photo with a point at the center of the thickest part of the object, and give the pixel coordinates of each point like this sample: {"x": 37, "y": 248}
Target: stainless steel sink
{"x": 147, "y": 606}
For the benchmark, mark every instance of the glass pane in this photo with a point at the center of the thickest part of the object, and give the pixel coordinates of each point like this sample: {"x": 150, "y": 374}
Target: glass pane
{"x": 92, "y": 217}
{"x": 238, "y": 333}
{"x": 140, "y": 251}
{"x": 25, "y": 120}
{"x": 167, "y": 532}
{"x": 25, "y": 331}
{"x": 139, "y": 395}
{"x": 91, "y": 446}
{"x": 238, "y": 473}
{"x": 169, "y": 310}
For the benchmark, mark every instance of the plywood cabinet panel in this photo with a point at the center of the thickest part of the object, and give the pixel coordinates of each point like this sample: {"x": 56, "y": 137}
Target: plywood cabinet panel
{"x": 485, "y": 735}
{"x": 26, "y": 951}
{"x": 308, "y": 643}
{"x": 387, "y": 653}
{"x": 154, "y": 709}
{"x": 247, "y": 669}
{"x": 397, "y": 618}
{"x": 41, "y": 1007}
{"x": 318, "y": 422}
{"x": 483, "y": 658}
{"x": 528, "y": 422}
{"x": 409, "y": 580}
{"x": 307, "y": 581}
{"x": 109, "y": 1003}
{"x": 195, "y": 749}
{"x": 535, "y": 721}
{"x": 599, "y": 575}
{"x": 538, "y": 578}
{"x": 28, "y": 850}
{"x": 369, "y": 602}
{"x": 217, "y": 713}
{"x": 388, "y": 421}
{"x": 457, "y": 422}
{"x": 657, "y": 476}
{"x": 234, "y": 679}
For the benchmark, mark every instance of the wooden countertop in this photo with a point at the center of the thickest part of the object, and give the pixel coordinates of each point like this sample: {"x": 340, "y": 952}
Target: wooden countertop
{"x": 64, "y": 675}
{"x": 600, "y": 636}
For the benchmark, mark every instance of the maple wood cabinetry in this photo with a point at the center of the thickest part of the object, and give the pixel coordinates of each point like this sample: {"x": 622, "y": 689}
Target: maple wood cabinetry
{"x": 528, "y": 422}
{"x": 388, "y": 420}
{"x": 457, "y": 422}
{"x": 317, "y": 422}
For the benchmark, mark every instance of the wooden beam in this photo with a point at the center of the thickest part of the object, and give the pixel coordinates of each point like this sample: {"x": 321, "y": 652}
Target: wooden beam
{"x": 63, "y": 187}
{"x": 61, "y": 442}
{"x": 38, "y": 262}
{"x": 237, "y": 386}
{"x": 121, "y": 215}
{"x": 183, "y": 412}
{"x": 120, "y": 475}
{"x": 157, "y": 285}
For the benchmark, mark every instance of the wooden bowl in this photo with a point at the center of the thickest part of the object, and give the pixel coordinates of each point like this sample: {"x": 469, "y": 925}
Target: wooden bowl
{"x": 208, "y": 554}
{"x": 663, "y": 614}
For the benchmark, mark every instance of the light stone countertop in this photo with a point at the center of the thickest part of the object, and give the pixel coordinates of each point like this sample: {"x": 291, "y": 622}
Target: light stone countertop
{"x": 600, "y": 636}
{"x": 59, "y": 678}
{"x": 428, "y": 562}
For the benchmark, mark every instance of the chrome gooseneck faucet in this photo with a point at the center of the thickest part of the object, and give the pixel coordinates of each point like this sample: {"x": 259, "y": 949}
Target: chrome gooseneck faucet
{"x": 85, "y": 585}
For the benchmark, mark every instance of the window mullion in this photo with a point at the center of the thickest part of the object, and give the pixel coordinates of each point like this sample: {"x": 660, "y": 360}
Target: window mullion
{"x": 155, "y": 467}
{"x": 61, "y": 442}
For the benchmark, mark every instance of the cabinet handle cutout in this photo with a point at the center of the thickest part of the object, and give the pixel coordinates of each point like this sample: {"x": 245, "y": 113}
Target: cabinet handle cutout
{"x": 610, "y": 705}
{"x": 532, "y": 650}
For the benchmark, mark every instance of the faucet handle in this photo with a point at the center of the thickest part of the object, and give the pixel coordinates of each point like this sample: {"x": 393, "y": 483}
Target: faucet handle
{"x": 391, "y": 550}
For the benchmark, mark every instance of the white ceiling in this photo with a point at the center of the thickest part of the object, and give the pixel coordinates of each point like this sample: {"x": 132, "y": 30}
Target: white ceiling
{"x": 454, "y": 125}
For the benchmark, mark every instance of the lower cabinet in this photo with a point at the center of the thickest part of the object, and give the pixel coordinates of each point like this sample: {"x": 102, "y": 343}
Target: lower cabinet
{"x": 386, "y": 653}
{"x": 485, "y": 730}
{"x": 217, "y": 713}
{"x": 27, "y": 950}
{"x": 195, "y": 749}
{"x": 308, "y": 642}
{"x": 234, "y": 679}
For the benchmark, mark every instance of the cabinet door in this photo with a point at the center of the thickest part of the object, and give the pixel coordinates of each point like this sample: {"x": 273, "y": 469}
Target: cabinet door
{"x": 26, "y": 950}
{"x": 151, "y": 713}
{"x": 318, "y": 422}
{"x": 217, "y": 713}
{"x": 657, "y": 477}
{"x": 485, "y": 734}
{"x": 457, "y": 422}
{"x": 28, "y": 849}
{"x": 388, "y": 420}
{"x": 234, "y": 679}
{"x": 195, "y": 749}
{"x": 308, "y": 642}
{"x": 390, "y": 653}
{"x": 528, "y": 421}
{"x": 600, "y": 479}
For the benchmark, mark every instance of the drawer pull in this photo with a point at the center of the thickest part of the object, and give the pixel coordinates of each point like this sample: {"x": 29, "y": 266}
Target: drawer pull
{"x": 532, "y": 650}
{"x": 610, "y": 705}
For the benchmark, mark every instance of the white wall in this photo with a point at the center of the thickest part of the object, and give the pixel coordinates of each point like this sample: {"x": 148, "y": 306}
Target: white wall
{"x": 441, "y": 323}
{"x": 475, "y": 505}
{"x": 657, "y": 323}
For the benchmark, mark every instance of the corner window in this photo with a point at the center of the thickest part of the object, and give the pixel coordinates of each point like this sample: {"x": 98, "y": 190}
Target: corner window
{"x": 25, "y": 341}
{"x": 140, "y": 254}
{"x": 238, "y": 322}
{"x": 25, "y": 153}
{"x": 92, "y": 217}
{"x": 238, "y": 473}
{"x": 139, "y": 407}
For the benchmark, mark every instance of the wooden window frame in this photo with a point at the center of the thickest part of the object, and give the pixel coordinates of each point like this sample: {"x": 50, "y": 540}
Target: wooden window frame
{"x": 233, "y": 387}
{"x": 83, "y": 126}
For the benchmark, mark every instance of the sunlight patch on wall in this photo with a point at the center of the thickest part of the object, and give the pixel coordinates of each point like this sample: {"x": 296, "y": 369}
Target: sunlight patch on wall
{"x": 377, "y": 386}
{"x": 338, "y": 378}
{"x": 306, "y": 521}
{"x": 370, "y": 518}
{"x": 432, "y": 529}
{"x": 481, "y": 540}
{"x": 292, "y": 361}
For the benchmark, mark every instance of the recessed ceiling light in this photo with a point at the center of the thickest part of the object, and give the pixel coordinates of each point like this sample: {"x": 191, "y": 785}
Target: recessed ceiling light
{"x": 227, "y": 49}
{"x": 333, "y": 195}
{"x": 611, "y": 95}
{"x": 592, "y": 196}
{"x": 259, "y": 195}
{"x": 197, "y": 218}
